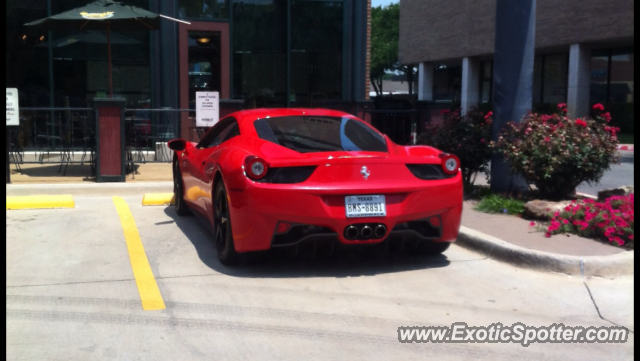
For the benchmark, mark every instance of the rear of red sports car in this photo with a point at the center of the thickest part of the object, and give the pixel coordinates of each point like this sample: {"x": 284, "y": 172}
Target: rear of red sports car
{"x": 317, "y": 177}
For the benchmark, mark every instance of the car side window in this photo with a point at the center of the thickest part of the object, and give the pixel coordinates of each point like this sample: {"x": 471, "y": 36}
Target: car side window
{"x": 220, "y": 133}
{"x": 231, "y": 132}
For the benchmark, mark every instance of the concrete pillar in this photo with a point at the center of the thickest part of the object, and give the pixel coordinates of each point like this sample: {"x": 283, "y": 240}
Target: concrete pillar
{"x": 512, "y": 80}
{"x": 579, "y": 81}
{"x": 470, "y": 84}
{"x": 425, "y": 82}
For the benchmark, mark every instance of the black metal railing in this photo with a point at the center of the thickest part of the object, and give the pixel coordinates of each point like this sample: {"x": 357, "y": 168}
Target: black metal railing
{"x": 67, "y": 135}
{"x": 48, "y": 135}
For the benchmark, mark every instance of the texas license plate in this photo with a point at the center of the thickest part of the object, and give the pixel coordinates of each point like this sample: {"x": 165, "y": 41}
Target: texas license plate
{"x": 365, "y": 206}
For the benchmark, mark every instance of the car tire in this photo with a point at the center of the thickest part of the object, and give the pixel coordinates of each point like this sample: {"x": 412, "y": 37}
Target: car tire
{"x": 223, "y": 235}
{"x": 433, "y": 248}
{"x": 178, "y": 192}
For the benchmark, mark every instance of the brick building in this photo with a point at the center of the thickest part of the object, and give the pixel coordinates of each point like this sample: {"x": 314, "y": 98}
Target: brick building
{"x": 584, "y": 53}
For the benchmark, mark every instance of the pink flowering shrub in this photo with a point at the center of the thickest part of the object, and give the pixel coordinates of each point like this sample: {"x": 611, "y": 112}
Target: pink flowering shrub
{"x": 612, "y": 220}
{"x": 556, "y": 153}
{"x": 468, "y": 137}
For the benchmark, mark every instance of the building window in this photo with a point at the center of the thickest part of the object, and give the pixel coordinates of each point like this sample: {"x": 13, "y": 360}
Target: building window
{"x": 447, "y": 80}
{"x": 203, "y": 10}
{"x": 79, "y": 59}
{"x": 260, "y": 52}
{"x": 550, "y": 76}
{"x": 486, "y": 81}
{"x": 612, "y": 76}
{"x": 278, "y": 62}
{"x": 612, "y": 84}
{"x": 316, "y": 51}
{"x": 27, "y": 58}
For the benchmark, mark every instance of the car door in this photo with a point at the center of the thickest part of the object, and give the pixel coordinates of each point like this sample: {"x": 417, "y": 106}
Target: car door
{"x": 194, "y": 169}
{"x": 230, "y": 130}
{"x": 190, "y": 182}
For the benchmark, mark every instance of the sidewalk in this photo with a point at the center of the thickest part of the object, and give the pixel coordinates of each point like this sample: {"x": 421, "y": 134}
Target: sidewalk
{"x": 519, "y": 232}
{"x": 506, "y": 238}
{"x": 76, "y": 173}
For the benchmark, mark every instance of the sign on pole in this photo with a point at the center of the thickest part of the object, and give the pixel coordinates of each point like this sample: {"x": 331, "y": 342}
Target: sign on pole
{"x": 13, "y": 110}
{"x": 207, "y": 108}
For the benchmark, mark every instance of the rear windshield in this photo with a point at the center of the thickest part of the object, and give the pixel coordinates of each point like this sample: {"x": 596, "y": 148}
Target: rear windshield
{"x": 308, "y": 134}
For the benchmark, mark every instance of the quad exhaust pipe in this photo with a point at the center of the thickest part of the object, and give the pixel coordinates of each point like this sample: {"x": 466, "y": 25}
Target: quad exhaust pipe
{"x": 351, "y": 233}
{"x": 380, "y": 231}
{"x": 365, "y": 232}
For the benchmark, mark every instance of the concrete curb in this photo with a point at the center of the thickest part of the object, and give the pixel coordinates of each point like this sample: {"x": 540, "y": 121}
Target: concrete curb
{"x": 90, "y": 189}
{"x": 157, "y": 199}
{"x": 589, "y": 196}
{"x": 620, "y": 264}
{"x": 39, "y": 202}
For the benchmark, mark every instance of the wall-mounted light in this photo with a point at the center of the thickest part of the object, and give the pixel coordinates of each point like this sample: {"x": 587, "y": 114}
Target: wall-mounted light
{"x": 203, "y": 40}
{"x": 41, "y": 37}
{"x": 24, "y": 37}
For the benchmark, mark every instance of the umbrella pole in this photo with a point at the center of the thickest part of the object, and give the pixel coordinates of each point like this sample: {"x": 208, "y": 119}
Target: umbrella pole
{"x": 109, "y": 61}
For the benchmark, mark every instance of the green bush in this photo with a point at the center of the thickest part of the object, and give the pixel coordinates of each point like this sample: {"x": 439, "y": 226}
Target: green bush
{"x": 468, "y": 137}
{"x": 556, "y": 153}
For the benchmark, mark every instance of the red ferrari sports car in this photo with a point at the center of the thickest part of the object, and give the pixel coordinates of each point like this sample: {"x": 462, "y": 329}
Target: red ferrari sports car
{"x": 268, "y": 178}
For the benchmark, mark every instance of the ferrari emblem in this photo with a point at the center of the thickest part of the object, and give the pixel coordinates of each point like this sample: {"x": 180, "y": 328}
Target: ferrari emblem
{"x": 365, "y": 172}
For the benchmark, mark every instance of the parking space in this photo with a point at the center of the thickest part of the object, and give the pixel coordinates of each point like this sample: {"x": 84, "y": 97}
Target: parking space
{"x": 72, "y": 295}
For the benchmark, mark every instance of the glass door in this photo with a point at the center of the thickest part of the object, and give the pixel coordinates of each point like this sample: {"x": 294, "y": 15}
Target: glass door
{"x": 203, "y": 66}
{"x": 204, "y": 63}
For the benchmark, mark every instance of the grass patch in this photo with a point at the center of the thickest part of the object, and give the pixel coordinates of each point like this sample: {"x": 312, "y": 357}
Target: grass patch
{"x": 498, "y": 204}
{"x": 625, "y": 138}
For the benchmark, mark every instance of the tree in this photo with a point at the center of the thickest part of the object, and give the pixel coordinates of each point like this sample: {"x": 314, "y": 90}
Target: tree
{"x": 385, "y": 34}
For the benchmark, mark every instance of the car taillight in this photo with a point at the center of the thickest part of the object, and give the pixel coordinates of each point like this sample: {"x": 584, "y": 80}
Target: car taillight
{"x": 450, "y": 163}
{"x": 255, "y": 168}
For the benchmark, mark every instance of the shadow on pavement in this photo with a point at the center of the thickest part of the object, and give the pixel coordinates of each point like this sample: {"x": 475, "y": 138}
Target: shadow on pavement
{"x": 54, "y": 170}
{"x": 281, "y": 264}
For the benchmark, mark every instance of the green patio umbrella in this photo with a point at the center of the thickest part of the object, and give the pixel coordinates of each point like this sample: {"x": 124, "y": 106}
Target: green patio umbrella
{"x": 103, "y": 15}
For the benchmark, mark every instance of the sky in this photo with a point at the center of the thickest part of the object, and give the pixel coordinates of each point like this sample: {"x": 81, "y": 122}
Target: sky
{"x": 375, "y": 3}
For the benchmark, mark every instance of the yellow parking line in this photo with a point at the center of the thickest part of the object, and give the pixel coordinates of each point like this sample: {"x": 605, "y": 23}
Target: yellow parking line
{"x": 40, "y": 202}
{"x": 147, "y": 286}
{"x": 157, "y": 199}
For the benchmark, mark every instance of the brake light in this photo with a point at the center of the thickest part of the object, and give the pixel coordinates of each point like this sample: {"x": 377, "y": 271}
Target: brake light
{"x": 450, "y": 163}
{"x": 255, "y": 168}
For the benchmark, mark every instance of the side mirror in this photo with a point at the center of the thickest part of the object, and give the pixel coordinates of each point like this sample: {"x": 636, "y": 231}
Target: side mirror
{"x": 177, "y": 145}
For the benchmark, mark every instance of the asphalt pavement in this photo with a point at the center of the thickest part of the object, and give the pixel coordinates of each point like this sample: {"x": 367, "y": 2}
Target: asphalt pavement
{"x": 619, "y": 175}
{"x": 72, "y": 293}
{"x": 80, "y": 281}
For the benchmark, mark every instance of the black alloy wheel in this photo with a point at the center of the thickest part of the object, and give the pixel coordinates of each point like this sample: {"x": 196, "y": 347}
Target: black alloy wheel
{"x": 222, "y": 228}
{"x": 178, "y": 192}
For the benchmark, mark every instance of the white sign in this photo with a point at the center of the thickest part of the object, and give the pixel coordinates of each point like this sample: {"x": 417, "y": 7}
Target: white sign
{"x": 13, "y": 110}
{"x": 207, "y": 108}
